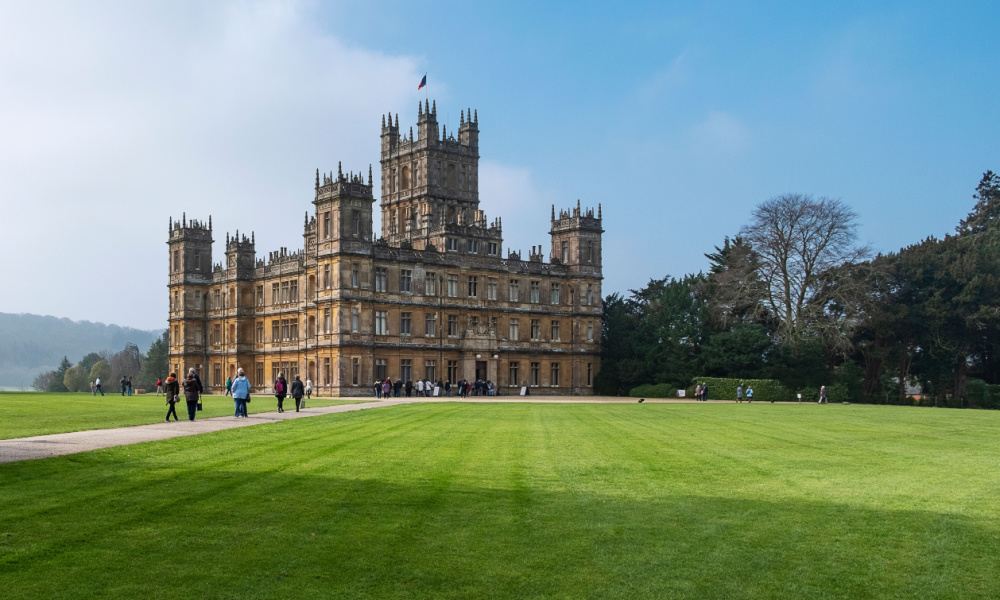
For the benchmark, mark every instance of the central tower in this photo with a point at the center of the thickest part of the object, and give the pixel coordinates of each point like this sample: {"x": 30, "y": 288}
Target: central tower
{"x": 430, "y": 184}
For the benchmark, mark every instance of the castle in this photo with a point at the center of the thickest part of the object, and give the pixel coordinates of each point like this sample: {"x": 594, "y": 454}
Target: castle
{"x": 430, "y": 297}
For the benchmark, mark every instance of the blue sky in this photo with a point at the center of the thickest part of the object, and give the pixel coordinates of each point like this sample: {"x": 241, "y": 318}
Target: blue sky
{"x": 678, "y": 117}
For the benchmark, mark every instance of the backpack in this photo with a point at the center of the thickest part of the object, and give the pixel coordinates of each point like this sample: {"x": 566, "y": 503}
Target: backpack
{"x": 278, "y": 386}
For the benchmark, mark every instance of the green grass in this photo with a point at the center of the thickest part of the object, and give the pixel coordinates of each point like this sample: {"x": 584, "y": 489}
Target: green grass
{"x": 30, "y": 414}
{"x": 522, "y": 501}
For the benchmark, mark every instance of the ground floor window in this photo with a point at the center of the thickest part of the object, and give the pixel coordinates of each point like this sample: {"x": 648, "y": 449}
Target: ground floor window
{"x": 355, "y": 371}
{"x": 590, "y": 368}
{"x": 453, "y": 371}
{"x": 406, "y": 369}
{"x": 259, "y": 375}
{"x": 381, "y": 369}
{"x": 554, "y": 374}
{"x": 326, "y": 372}
{"x": 535, "y": 368}
{"x": 514, "y": 379}
{"x": 429, "y": 367}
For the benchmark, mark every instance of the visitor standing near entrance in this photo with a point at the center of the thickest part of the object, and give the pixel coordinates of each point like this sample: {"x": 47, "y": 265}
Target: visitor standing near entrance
{"x": 241, "y": 393}
{"x": 386, "y": 388}
{"x": 822, "y": 395}
{"x": 191, "y": 392}
{"x": 297, "y": 390}
{"x": 229, "y": 387}
{"x": 378, "y": 389}
{"x": 409, "y": 387}
{"x": 280, "y": 391}
{"x": 309, "y": 388}
{"x": 420, "y": 387}
{"x": 159, "y": 386}
{"x": 97, "y": 386}
{"x": 739, "y": 393}
{"x": 173, "y": 392}
{"x": 398, "y": 386}
{"x": 749, "y": 394}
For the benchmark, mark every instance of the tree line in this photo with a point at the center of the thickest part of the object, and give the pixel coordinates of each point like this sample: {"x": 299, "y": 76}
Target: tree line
{"x": 110, "y": 367}
{"x": 792, "y": 296}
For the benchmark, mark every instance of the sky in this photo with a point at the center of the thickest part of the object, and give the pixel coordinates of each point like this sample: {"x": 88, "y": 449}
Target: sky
{"x": 677, "y": 117}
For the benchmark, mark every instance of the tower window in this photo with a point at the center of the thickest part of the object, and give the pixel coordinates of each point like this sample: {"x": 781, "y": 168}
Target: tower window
{"x": 565, "y": 252}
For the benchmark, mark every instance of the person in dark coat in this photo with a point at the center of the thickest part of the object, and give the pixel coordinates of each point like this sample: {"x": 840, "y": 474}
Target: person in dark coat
{"x": 298, "y": 390}
{"x": 280, "y": 391}
{"x": 173, "y": 392}
{"x": 409, "y": 387}
{"x": 191, "y": 391}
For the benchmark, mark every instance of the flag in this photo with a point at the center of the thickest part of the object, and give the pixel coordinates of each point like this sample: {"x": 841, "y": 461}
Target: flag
{"x": 423, "y": 82}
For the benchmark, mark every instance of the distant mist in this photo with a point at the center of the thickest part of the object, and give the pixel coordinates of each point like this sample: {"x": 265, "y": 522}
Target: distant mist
{"x": 33, "y": 344}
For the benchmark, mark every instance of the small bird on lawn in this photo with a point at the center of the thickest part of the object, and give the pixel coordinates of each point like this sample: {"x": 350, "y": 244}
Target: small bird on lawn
{"x": 641, "y": 400}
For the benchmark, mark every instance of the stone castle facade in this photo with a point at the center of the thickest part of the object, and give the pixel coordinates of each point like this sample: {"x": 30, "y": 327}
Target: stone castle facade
{"x": 430, "y": 296}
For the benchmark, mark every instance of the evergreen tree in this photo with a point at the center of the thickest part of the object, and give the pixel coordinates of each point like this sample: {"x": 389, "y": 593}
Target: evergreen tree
{"x": 57, "y": 384}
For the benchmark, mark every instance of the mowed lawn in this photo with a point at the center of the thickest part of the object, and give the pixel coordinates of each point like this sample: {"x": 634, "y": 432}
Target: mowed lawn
{"x": 30, "y": 414}
{"x": 523, "y": 501}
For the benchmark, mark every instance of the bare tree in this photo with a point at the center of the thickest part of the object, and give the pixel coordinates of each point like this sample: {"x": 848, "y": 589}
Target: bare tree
{"x": 798, "y": 242}
{"x": 126, "y": 363}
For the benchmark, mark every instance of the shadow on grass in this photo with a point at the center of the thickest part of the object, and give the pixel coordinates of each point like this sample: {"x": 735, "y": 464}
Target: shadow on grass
{"x": 237, "y": 534}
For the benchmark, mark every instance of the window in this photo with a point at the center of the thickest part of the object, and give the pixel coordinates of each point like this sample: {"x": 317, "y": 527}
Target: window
{"x": 473, "y": 286}
{"x": 453, "y": 371}
{"x": 355, "y": 319}
{"x": 197, "y": 260}
{"x": 197, "y": 301}
{"x": 452, "y": 325}
{"x": 406, "y": 369}
{"x": 355, "y": 222}
{"x": 429, "y": 366}
{"x": 430, "y": 325}
{"x": 217, "y": 379}
{"x": 275, "y": 330}
{"x": 493, "y": 324}
{"x": 285, "y": 296}
{"x": 326, "y": 225}
{"x": 452, "y": 286}
{"x": 406, "y": 280}
{"x": 216, "y": 335}
{"x": 355, "y": 275}
{"x": 259, "y": 373}
{"x": 260, "y": 332}
{"x": 473, "y": 321}
{"x": 260, "y": 295}
{"x": 355, "y": 370}
{"x": 554, "y": 294}
{"x": 589, "y": 252}
{"x": 555, "y": 331}
{"x": 512, "y": 291}
{"x": 536, "y": 329}
{"x": 491, "y": 288}
{"x": 535, "y": 285}
{"x": 554, "y": 375}
{"x": 493, "y": 248}
{"x": 534, "y": 374}
{"x": 177, "y": 337}
{"x": 514, "y": 379}
{"x": 381, "y": 367}
{"x": 404, "y": 323}
{"x": 177, "y": 303}
{"x": 590, "y": 370}
{"x": 451, "y": 244}
{"x": 565, "y": 252}
{"x": 381, "y": 279}
{"x": 326, "y": 320}
{"x": 284, "y": 330}
{"x": 293, "y": 292}
{"x": 177, "y": 262}
{"x": 326, "y": 372}
{"x": 473, "y": 246}
{"x": 590, "y": 294}
{"x": 275, "y": 293}
{"x": 326, "y": 276}
{"x": 216, "y": 299}
{"x": 294, "y": 329}
{"x": 430, "y": 284}
{"x": 514, "y": 329}
{"x": 381, "y": 323}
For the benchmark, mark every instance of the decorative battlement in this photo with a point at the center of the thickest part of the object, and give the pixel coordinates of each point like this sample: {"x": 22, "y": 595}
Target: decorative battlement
{"x": 282, "y": 256}
{"x": 576, "y": 218}
{"x": 235, "y": 244}
{"x": 352, "y": 184}
{"x": 193, "y": 229}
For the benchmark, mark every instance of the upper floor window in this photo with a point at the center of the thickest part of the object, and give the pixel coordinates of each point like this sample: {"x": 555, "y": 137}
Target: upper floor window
{"x": 355, "y": 275}
{"x": 590, "y": 295}
{"x": 430, "y": 284}
{"x": 554, "y": 294}
{"x": 535, "y": 286}
{"x": 381, "y": 279}
{"x": 493, "y": 249}
{"x": 355, "y": 222}
{"x": 491, "y": 288}
{"x": 406, "y": 280}
{"x": 565, "y": 252}
{"x": 451, "y": 244}
{"x": 512, "y": 291}
{"x": 473, "y": 286}
{"x": 473, "y": 246}
{"x": 452, "y": 286}
{"x": 326, "y": 225}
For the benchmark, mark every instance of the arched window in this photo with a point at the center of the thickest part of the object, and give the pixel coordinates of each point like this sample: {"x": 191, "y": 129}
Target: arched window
{"x": 404, "y": 178}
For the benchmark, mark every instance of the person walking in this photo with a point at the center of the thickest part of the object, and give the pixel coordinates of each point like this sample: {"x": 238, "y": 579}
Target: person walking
{"x": 229, "y": 387}
{"x": 159, "y": 386}
{"x": 241, "y": 393}
{"x": 378, "y": 389}
{"x": 97, "y": 386}
{"x": 704, "y": 392}
{"x": 697, "y": 393}
{"x": 297, "y": 390}
{"x": 739, "y": 394}
{"x": 122, "y": 382}
{"x": 749, "y": 395}
{"x": 280, "y": 391}
{"x": 194, "y": 374}
{"x": 386, "y": 388}
{"x": 823, "y": 395}
{"x": 309, "y": 388}
{"x": 173, "y": 393}
{"x": 191, "y": 392}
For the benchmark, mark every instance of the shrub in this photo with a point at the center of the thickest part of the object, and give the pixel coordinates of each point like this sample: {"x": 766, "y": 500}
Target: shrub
{"x": 651, "y": 390}
{"x": 977, "y": 394}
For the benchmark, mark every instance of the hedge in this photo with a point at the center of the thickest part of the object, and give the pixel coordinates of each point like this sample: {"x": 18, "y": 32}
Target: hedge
{"x": 651, "y": 390}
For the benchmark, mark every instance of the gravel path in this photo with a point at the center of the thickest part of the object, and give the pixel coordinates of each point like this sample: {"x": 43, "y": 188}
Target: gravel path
{"x": 57, "y": 444}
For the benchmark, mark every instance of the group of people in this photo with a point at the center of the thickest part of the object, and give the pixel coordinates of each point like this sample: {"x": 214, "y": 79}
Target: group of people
{"x": 126, "y": 384}
{"x": 192, "y": 394}
{"x": 428, "y": 388}
{"x": 281, "y": 391}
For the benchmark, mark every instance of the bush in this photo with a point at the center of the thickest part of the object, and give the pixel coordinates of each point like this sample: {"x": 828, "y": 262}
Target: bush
{"x": 101, "y": 369}
{"x": 720, "y": 388}
{"x": 977, "y": 394}
{"x": 811, "y": 394}
{"x": 75, "y": 380}
{"x": 651, "y": 390}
